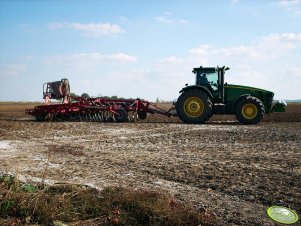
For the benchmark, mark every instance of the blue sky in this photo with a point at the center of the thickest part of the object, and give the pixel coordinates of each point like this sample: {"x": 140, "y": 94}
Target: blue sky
{"x": 147, "y": 49}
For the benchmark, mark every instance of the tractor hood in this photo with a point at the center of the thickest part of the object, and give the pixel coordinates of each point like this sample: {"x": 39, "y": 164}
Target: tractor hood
{"x": 265, "y": 96}
{"x": 251, "y": 89}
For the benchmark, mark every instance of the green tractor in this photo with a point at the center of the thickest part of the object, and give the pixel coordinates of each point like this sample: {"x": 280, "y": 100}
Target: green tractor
{"x": 210, "y": 95}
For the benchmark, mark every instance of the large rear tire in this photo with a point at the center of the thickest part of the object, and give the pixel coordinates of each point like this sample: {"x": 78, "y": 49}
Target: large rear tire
{"x": 194, "y": 107}
{"x": 249, "y": 110}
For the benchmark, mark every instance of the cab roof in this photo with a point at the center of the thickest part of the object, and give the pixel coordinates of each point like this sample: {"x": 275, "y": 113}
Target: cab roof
{"x": 208, "y": 69}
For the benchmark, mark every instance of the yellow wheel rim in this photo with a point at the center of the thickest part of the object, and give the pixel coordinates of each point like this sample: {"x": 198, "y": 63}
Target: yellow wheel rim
{"x": 249, "y": 111}
{"x": 193, "y": 107}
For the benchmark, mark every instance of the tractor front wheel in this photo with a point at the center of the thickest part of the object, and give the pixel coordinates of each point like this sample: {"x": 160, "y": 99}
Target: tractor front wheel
{"x": 194, "y": 106}
{"x": 249, "y": 110}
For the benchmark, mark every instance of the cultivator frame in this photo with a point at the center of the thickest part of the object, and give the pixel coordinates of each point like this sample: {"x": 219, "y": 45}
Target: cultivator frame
{"x": 98, "y": 110}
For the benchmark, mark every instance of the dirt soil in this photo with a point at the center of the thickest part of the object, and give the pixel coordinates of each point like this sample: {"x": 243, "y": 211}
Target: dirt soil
{"x": 235, "y": 171}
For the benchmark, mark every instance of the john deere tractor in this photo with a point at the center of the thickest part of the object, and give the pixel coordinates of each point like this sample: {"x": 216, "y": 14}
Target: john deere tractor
{"x": 210, "y": 95}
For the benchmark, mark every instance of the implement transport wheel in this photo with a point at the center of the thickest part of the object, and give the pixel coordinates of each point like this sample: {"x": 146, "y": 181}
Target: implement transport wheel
{"x": 74, "y": 116}
{"x": 249, "y": 110}
{"x": 122, "y": 115}
{"x": 142, "y": 115}
{"x": 58, "y": 117}
{"x": 194, "y": 106}
{"x": 40, "y": 116}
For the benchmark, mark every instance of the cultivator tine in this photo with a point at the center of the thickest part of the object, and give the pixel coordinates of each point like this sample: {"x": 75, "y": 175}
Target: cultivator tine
{"x": 131, "y": 117}
{"x": 48, "y": 117}
{"x": 83, "y": 116}
{"x": 58, "y": 117}
{"x": 73, "y": 116}
{"x": 66, "y": 117}
{"x": 93, "y": 116}
{"x": 99, "y": 116}
{"x": 102, "y": 116}
{"x": 80, "y": 117}
{"x": 110, "y": 117}
{"x": 96, "y": 117}
{"x": 89, "y": 117}
{"x": 107, "y": 116}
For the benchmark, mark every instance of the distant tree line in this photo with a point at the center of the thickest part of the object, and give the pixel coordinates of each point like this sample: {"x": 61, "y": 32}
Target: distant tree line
{"x": 162, "y": 101}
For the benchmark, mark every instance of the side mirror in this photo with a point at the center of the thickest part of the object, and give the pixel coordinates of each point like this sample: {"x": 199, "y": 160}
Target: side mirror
{"x": 227, "y": 68}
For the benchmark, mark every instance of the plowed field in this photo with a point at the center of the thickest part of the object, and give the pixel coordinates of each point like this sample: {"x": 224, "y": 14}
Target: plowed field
{"x": 233, "y": 170}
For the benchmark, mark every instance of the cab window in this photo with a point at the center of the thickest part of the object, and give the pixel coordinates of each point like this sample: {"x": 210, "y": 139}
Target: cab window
{"x": 208, "y": 80}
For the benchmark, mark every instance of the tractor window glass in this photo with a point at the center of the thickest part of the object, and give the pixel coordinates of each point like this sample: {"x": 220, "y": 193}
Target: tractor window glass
{"x": 212, "y": 80}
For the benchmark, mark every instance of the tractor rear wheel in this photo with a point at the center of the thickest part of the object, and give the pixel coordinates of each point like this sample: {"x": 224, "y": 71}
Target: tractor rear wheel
{"x": 249, "y": 110}
{"x": 194, "y": 106}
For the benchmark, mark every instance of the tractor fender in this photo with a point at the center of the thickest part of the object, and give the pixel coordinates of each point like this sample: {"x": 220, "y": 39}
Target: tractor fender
{"x": 238, "y": 99}
{"x": 245, "y": 95}
{"x": 196, "y": 87}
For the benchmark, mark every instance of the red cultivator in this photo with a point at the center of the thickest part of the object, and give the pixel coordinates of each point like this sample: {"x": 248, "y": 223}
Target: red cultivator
{"x": 91, "y": 109}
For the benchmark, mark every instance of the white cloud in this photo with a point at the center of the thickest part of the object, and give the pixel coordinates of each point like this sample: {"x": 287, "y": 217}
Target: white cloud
{"x": 90, "y": 59}
{"x": 234, "y": 1}
{"x": 24, "y": 26}
{"x": 286, "y": 37}
{"x": 124, "y": 19}
{"x": 270, "y": 62}
{"x": 277, "y": 45}
{"x": 97, "y": 30}
{"x": 12, "y": 69}
{"x": 27, "y": 58}
{"x": 293, "y": 6}
{"x": 57, "y": 25}
{"x": 163, "y": 19}
{"x": 267, "y": 47}
{"x": 294, "y": 72}
{"x": 288, "y": 3}
{"x": 172, "y": 60}
{"x": 238, "y": 51}
{"x": 183, "y": 21}
{"x": 201, "y": 50}
{"x": 134, "y": 75}
{"x": 167, "y": 19}
{"x": 91, "y": 29}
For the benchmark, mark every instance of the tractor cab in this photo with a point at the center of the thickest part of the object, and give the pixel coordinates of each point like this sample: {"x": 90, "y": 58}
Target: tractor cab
{"x": 212, "y": 79}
